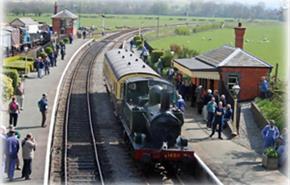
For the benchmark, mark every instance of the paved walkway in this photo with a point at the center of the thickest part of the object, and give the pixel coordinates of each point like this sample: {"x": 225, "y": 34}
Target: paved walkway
{"x": 30, "y": 117}
{"x": 233, "y": 161}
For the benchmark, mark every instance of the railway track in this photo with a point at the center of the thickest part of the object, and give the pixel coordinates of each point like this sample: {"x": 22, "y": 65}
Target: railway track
{"x": 81, "y": 158}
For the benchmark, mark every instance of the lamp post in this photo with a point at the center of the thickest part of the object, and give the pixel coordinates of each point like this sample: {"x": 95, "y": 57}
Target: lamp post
{"x": 236, "y": 91}
{"x": 25, "y": 50}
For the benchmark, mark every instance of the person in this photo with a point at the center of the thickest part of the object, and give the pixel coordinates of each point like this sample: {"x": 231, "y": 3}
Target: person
{"x": 12, "y": 148}
{"x": 57, "y": 47}
{"x": 84, "y": 34}
{"x": 206, "y": 99}
{"x": 28, "y": 148}
{"x": 170, "y": 74}
{"x": 180, "y": 103}
{"x": 46, "y": 65}
{"x": 264, "y": 88}
{"x": 17, "y": 134}
{"x": 193, "y": 95}
{"x": 40, "y": 68}
{"x": 3, "y": 138}
{"x": 51, "y": 59}
{"x": 228, "y": 115}
{"x": 20, "y": 93}
{"x": 219, "y": 114}
{"x": 270, "y": 133}
{"x": 223, "y": 99}
{"x": 282, "y": 148}
{"x": 216, "y": 96}
{"x": 43, "y": 106}
{"x": 70, "y": 38}
{"x": 199, "y": 98}
{"x": 145, "y": 54}
{"x": 13, "y": 112}
{"x": 211, "y": 106}
{"x": 131, "y": 44}
{"x": 62, "y": 51}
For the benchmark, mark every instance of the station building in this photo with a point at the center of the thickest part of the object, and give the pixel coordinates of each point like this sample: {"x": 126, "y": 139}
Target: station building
{"x": 226, "y": 66}
{"x": 64, "y": 23}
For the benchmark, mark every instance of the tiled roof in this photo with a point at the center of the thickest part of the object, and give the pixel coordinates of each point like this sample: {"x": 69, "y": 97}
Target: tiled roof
{"x": 227, "y": 56}
{"x": 216, "y": 56}
{"x": 26, "y": 20}
{"x": 194, "y": 64}
{"x": 65, "y": 14}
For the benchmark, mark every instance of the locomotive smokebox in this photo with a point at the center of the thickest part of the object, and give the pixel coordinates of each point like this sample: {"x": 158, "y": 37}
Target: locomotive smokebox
{"x": 165, "y": 101}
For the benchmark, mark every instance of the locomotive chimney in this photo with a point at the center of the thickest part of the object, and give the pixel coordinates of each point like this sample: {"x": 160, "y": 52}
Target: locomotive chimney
{"x": 55, "y": 8}
{"x": 239, "y": 36}
{"x": 165, "y": 101}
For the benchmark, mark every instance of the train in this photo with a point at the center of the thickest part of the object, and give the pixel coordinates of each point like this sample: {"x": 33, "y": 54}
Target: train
{"x": 145, "y": 104}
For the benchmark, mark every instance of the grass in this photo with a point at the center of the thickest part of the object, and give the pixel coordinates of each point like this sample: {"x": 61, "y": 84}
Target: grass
{"x": 263, "y": 40}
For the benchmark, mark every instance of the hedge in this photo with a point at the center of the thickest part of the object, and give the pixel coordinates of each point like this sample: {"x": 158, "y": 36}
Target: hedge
{"x": 20, "y": 66}
{"x": 7, "y": 88}
{"x": 182, "y": 30}
{"x": 14, "y": 75}
{"x": 166, "y": 59}
{"x": 66, "y": 40}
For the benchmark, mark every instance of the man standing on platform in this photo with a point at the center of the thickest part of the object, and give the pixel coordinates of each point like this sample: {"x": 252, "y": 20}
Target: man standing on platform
{"x": 270, "y": 133}
{"x": 43, "y": 106}
{"x": 28, "y": 148}
{"x": 12, "y": 148}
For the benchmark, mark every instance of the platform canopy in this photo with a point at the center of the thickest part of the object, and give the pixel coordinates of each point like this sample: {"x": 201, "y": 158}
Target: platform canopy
{"x": 196, "y": 69}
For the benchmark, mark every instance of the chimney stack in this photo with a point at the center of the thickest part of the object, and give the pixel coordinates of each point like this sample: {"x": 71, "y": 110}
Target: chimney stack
{"x": 55, "y": 8}
{"x": 239, "y": 36}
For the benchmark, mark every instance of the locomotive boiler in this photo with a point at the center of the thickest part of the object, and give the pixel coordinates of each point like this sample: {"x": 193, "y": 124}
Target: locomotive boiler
{"x": 145, "y": 104}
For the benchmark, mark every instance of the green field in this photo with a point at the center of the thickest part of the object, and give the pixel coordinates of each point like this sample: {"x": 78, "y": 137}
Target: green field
{"x": 113, "y": 22}
{"x": 263, "y": 40}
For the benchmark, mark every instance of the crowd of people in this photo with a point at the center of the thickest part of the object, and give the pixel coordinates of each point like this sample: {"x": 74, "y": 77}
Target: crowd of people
{"x": 10, "y": 141}
{"x": 44, "y": 62}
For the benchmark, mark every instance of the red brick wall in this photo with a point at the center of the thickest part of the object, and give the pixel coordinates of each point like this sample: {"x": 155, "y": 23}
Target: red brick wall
{"x": 56, "y": 25}
{"x": 249, "y": 80}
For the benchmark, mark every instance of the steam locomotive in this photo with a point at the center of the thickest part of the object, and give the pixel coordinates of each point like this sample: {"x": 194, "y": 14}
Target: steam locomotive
{"x": 144, "y": 102}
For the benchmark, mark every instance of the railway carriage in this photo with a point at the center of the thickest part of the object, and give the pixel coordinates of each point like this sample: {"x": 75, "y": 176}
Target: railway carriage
{"x": 144, "y": 102}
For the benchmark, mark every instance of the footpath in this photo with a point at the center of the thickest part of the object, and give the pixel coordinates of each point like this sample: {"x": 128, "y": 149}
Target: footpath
{"x": 29, "y": 120}
{"x": 233, "y": 161}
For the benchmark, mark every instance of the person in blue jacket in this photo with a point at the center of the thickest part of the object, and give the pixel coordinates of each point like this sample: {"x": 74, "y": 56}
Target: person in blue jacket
{"x": 12, "y": 148}
{"x": 270, "y": 133}
{"x": 43, "y": 106}
{"x": 180, "y": 103}
{"x": 219, "y": 115}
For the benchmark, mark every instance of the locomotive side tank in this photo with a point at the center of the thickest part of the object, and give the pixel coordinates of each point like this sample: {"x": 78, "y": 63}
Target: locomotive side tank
{"x": 145, "y": 104}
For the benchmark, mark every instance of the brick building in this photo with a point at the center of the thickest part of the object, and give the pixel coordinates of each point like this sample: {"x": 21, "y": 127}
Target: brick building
{"x": 64, "y": 22}
{"x": 226, "y": 66}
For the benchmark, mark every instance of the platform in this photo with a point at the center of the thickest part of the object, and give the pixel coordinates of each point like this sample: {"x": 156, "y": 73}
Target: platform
{"x": 233, "y": 161}
{"x": 30, "y": 118}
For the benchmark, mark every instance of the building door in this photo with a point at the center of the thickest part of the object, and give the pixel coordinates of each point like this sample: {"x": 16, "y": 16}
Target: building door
{"x": 211, "y": 84}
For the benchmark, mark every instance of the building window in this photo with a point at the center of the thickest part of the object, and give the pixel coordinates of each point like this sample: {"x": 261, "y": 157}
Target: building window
{"x": 233, "y": 79}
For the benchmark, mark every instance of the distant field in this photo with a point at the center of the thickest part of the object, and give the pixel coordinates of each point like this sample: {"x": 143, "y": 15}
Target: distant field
{"x": 263, "y": 40}
{"x": 113, "y": 22}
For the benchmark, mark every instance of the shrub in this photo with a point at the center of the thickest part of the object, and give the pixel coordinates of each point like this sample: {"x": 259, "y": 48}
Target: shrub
{"x": 155, "y": 55}
{"x": 48, "y": 50}
{"x": 175, "y": 48}
{"x": 7, "y": 88}
{"x": 138, "y": 43}
{"x": 182, "y": 30}
{"x": 137, "y": 37}
{"x": 66, "y": 40}
{"x": 271, "y": 152}
{"x": 42, "y": 54}
{"x": 13, "y": 75}
{"x": 166, "y": 59}
{"x": 187, "y": 53}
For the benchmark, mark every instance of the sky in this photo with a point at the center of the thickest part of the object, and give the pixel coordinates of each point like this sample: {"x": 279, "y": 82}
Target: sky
{"x": 268, "y": 3}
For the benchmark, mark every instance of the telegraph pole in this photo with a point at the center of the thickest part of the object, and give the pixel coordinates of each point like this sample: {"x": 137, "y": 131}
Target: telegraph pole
{"x": 157, "y": 27}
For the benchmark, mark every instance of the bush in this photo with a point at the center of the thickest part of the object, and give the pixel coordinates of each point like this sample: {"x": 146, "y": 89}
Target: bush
{"x": 13, "y": 75}
{"x": 182, "y": 30}
{"x": 175, "y": 48}
{"x": 271, "y": 152}
{"x": 187, "y": 53}
{"x": 42, "y": 55}
{"x": 7, "y": 88}
{"x": 138, "y": 43}
{"x": 66, "y": 40}
{"x": 155, "y": 55}
{"x": 137, "y": 37}
{"x": 166, "y": 59}
{"x": 48, "y": 50}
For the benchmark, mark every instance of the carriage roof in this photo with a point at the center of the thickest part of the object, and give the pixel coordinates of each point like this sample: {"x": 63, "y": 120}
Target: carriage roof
{"x": 124, "y": 62}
